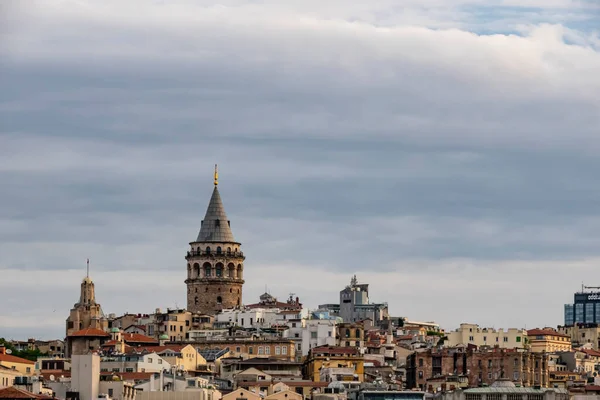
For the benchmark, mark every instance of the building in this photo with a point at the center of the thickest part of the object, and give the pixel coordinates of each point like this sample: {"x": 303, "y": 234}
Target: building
{"x": 277, "y": 348}
{"x": 317, "y": 332}
{"x": 582, "y": 334}
{"x": 472, "y": 334}
{"x": 355, "y": 305}
{"x": 503, "y": 390}
{"x": 86, "y": 341}
{"x": 215, "y": 263}
{"x": 324, "y": 357}
{"x": 280, "y": 369}
{"x": 585, "y": 308}
{"x": 14, "y": 393}
{"x": 9, "y": 362}
{"x": 134, "y": 362}
{"x": 86, "y": 313}
{"x": 548, "y": 340}
{"x": 479, "y": 366}
{"x": 351, "y": 334}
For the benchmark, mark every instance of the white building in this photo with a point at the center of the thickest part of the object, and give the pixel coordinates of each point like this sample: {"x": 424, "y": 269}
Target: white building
{"x": 151, "y": 362}
{"x": 472, "y": 334}
{"x": 247, "y": 318}
{"x": 318, "y": 332}
{"x": 85, "y": 376}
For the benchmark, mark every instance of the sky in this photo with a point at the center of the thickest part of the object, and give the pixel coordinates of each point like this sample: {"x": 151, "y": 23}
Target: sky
{"x": 444, "y": 151}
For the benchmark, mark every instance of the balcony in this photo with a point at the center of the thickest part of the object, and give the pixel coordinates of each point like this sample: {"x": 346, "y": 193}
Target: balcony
{"x": 203, "y": 253}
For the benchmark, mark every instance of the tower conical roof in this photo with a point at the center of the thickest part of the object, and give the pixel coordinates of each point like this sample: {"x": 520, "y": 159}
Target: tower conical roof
{"x": 215, "y": 226}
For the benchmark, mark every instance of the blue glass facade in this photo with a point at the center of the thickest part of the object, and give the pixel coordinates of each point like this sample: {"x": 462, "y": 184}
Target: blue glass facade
{"x": 585, "y": 310}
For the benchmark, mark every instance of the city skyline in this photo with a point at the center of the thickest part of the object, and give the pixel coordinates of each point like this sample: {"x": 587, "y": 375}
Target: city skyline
{"x": 437, "y": 151}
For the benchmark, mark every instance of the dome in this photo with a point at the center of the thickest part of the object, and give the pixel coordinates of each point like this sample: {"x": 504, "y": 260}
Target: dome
{"x": 164, "y": 337}
{"x": 504, "y": 383}
{"x": 115, "y": 330}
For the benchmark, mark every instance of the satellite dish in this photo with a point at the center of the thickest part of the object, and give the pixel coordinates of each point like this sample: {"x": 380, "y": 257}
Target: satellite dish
{"x": 52, "y": 378}
{"x": 9, "y": 351}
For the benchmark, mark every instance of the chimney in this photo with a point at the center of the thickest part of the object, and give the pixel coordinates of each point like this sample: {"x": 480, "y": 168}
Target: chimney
{"x": 2, "y": 349}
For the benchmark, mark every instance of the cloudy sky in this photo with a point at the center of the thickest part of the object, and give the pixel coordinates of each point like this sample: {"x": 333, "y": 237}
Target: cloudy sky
{"x": 445, "y": 151}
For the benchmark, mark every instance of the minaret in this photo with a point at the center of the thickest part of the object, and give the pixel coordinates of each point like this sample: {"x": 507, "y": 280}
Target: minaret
{"x": 215, "y": 263}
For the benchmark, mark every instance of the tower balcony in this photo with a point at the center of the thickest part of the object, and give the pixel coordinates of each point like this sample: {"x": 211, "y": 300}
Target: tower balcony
{"x": 214, "y": 254}
{"x": 214, "y": 279}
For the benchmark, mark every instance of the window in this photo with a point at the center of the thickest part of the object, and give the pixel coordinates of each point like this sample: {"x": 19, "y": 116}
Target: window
{"x": 284, "y": 349}
{"x": 219, "y": 299}
{"x": 489, "y": 363}
{"x": 28, "y": 369}
{"x": 518, "y": 339}
{"x": 516, "y": 376}
{"x": 420, "y": 374}
{"x": 238, "y": 349}
{"x": 160, "y": 360}
{"x": 470, "y": 338}
{"x": 293, "y": 324}
{"x": 150, "y": 360}
{"x": 128, "y": 369}
{"x": 181, "y": 328}
{"x": 347, "y": 333}
{"x": 110, "y": 392}
{"x": 485, "y": 338}
{"x": 420, "y": 362}
{"x": 357, "y": 333}
{"x": 505, "y": 339}
{"x": 250, "y": 350}
{"x": 261, "y": 350}
{"x": 313, "y": 335}
{"x": 277, "y": 350}
{"x": 329, "y": 333}
{"x": 267, "y": 350}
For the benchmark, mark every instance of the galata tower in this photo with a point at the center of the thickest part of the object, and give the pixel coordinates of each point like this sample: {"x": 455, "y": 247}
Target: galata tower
{"x": 215, "y": 263}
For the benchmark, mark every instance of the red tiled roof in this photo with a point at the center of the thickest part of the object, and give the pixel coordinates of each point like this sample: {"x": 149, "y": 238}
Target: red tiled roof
{"x": 591, "y": 352}
{"x": 137, "y": 338}
{"x": 542, "y": 332}
{"x": 305, "y": 383}
{"x": 334, "y": 350}
{"x": 592, "y": 388}
{"x": 94, "y": 332}
{"x": 12, "y": 392}
{"x": 13, "y": 359}
{"x": 158, "y": 349}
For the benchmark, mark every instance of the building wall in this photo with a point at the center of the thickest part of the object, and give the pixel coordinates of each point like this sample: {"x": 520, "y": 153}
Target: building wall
{"x": 214, "y": 280}
{"x": 85, "y": 375}
{"x": 315, "y": 364}
{"x": 250, "y": 318}
{"x": 582, "y": 335}
{"x": 7, "y": 377}
{"x": 146, "y": 363}
{"x": 350, "y": 335}
{"x": 318, "y": 332}
{"x": 118, "y": 390}
{"x": 252, "y": 348}
{"x": 473, "y": 334}
{"x": 199, "y": 394}
{"x": 481, "y": 367}
{"x": 549, "y": 343}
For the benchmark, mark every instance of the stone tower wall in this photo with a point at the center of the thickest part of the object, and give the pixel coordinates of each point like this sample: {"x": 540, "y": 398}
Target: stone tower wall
{"x": 214, "y": 279}
{"x": 204, "y": 295}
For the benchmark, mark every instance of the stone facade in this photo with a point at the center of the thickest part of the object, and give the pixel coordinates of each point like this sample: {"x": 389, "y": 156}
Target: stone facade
{"x": 86, "y": 313}
{"x": 215, "y": 263}
{"x": 484, "y": 366}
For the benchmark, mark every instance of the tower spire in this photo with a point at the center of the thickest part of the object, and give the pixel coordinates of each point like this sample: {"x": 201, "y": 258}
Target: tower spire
{"x": 216, "y": 175}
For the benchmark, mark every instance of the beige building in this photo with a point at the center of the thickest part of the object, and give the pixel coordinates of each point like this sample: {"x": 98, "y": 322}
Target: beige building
{"x": 7, "y": 376}
{"x": 185, "y": 357}
{"x": 582, "y": 335}
{"x": 241, "y": 394}
{"x": 215, "y": 263}
{"x": 276, "y": 348}
{"x": 548, "y": 340}
{"x": 472, "y": 334}
{"x": 86, "y": 313}
{"x": 8, "y": 362}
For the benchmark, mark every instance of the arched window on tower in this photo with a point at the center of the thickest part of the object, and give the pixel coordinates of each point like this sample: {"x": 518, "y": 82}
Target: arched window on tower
{"x": 229, "y": 251}
{"x": 347, "y": 332}
{"x": 207, "y": 269}
{"x": 196, "y": 300}
{"x": 218, "y": 249}
{"x": 231, "y": 270}
{"x": 219, "y": 270}
{"x": 207, "y": 250}
{"x": 219, "y": 299}
{"x": 196, "y": 270}
{"x": 358, "y": 333}
{"x": 240, "y": 272}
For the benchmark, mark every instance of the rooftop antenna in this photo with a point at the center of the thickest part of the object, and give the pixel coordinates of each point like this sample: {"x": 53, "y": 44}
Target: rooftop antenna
{"x": 216, "y": 175}
{"x": 88, "y": 268}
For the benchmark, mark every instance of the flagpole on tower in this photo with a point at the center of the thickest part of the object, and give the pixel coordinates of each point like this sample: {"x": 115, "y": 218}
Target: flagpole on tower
{"x": 88, "y": 268}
